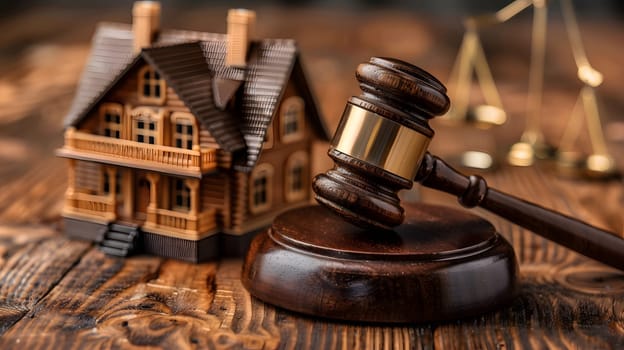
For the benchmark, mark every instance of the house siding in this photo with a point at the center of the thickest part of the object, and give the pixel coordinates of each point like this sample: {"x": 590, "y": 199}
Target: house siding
{"x": 240, "y": 198}
{"x": 125, "y": 93}
{"x": 88, "y": 177}
{"x": 214, "y": 192}
{"x": 277, "y": 155}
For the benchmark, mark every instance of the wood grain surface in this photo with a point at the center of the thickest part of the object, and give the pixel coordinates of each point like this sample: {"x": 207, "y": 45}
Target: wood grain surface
{"x": 59, "y": 293}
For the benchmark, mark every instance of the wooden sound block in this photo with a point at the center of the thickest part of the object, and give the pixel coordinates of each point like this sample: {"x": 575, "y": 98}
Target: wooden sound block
{"x": 441, "y": 264}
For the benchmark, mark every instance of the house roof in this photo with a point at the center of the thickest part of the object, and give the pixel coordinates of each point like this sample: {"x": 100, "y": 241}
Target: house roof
{"x": 184, "y": 68}
{"x": 193, "y": 64}
{"x": 111, "y": 52}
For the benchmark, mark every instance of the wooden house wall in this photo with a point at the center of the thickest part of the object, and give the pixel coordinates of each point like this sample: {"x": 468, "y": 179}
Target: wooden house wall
{"x": 125, "y": 92}
{"x": 277, "y": 155}
{"x": 239, "y": 193}
{"x": 88, "y": 177}
{"x": 215, "y": 193}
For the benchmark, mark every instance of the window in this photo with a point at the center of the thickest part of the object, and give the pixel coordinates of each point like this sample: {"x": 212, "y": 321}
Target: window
{"x": 145, "y": 126}
{"x": 151, "y": 86}
{"x": 106, "y": 185}
{"x": 296, "y": 184}
{"x": 292, "y": 119}
{"x": 111, "y": 120}
{"x": 268, "y": 137}
{"x": 260, "y": 191}
{"x": 145, "y": 131}
{"x": 183, "y": 130}
{"x": 261, "y": 188}
{"x": 181, "y": 195}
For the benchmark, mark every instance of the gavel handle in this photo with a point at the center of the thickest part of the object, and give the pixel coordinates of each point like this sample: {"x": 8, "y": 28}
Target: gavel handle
{"x": 472, "y": 191}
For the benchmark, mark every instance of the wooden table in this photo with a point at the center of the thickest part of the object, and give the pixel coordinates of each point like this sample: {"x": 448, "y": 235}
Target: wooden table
{"x": 59, "y": 293}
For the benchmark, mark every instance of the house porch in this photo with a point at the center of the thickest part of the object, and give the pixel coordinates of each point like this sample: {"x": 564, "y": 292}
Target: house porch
{"x": 158, "y": 203}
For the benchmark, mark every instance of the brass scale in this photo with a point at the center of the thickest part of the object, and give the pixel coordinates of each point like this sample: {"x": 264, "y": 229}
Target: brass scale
{"x": 531, "y": 146}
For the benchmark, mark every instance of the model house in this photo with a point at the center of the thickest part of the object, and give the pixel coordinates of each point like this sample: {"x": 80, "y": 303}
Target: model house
{"x": 182, "y": 144}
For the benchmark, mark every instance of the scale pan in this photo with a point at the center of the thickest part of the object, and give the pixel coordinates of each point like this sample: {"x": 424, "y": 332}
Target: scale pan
{"x": 477, "y": 160}
{"x": 577, "y": 165}
{"x": 486, "y": 116}
{"x": 600, "y": 166}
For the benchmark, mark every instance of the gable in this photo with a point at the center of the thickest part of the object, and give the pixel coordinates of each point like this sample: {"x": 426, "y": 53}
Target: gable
{"x": 103, "y": 65}
{"x": 266, "y": 77}
{"x": 111, "y": 53}
{"x": 311, "y": 107}
{"x": 295, "y": 85}
{"x": 272, "y": 64}
{"x": 118, "y": 92}
{"x": 184, "y": 68}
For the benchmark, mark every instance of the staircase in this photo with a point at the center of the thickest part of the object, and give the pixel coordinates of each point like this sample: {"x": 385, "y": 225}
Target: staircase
{"x": 120, "y": 239}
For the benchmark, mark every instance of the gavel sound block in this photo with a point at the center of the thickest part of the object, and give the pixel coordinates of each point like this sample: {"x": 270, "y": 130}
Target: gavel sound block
{"x": 357, "y": 258}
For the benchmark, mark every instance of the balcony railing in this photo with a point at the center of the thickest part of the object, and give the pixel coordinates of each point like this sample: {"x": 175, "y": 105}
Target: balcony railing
{"x": 139, "y": 155}
{"x": 181, "y": 223}
{"x": 101, "y": 207}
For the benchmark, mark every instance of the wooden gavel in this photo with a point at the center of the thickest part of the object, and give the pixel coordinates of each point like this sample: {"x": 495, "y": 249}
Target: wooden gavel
{"x": 381, "y": 145}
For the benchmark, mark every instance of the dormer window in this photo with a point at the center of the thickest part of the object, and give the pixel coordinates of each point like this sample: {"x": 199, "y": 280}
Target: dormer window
{"x": 152, "y": 87}
{"x": 145, "y": 131}
{"x": 292, "y": 119}
{"x": 111, "y": 124}
{"x": 183, "y": 130}
{"x": 146, "y": 125}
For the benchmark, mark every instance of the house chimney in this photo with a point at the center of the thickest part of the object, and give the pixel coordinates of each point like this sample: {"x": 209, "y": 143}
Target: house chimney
{"x": 145, "y": 23}
{"x": 240, "y": 29}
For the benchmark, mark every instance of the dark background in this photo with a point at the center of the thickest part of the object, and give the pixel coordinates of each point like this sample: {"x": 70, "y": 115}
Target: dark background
{"x": 606, "y": 8}
{"x": 44, "y": 45}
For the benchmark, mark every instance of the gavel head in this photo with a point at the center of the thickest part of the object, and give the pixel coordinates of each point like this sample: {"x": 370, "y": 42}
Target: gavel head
{"x": 380, "y": 142}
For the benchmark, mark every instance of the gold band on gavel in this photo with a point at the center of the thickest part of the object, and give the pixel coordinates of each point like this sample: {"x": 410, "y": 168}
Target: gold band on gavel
{"x": 380, "y": 141}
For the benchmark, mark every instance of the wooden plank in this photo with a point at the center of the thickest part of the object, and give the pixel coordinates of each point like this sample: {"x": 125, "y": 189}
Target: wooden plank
{"x": 600, "y": 203}
{"x": 191, "y": 306}
{"x": 546, "y": 314}
{"x": 529, "y": 183}
{"x": 35, "y": 197}
{"x": 255, "y": 324}
{"x": 9, "y": 314}
{"x": 34, "y": 259}
{"x": 97, "y": 303}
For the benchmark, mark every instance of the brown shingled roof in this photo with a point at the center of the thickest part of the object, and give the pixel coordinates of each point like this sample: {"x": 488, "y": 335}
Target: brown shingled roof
{"x": 183, "y": 64}
{"x": 111, "y": 52}
{"x": 265, "y": 81}
{"x": 184, "y": 68}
